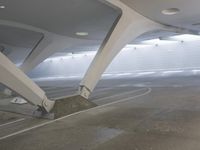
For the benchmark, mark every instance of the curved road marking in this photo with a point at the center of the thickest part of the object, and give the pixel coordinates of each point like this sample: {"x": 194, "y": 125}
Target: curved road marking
{"x": 8, "y": 123}
{"x": 127, "y": 99}
{"x": 116, "y": 95}
{"x": 49, "y": 122}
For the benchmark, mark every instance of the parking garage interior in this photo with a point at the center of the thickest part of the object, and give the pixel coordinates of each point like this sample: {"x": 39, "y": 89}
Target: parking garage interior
{"x": 99, "y": 75}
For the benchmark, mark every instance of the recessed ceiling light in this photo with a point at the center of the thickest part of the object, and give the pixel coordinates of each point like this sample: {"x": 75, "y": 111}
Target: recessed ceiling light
{"x": 82, "y": 33}
{"x": 2, "y": 6}
{"x": 171, "y": 11}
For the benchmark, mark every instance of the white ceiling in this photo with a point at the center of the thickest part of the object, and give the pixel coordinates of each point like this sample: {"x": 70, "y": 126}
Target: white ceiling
{"x": 19, "y": 37}
{"x": 63, "y": 17}
{"x": 189, "y": 11}
{"x": 17, "y": 43}
{"x": 66, "y": 17}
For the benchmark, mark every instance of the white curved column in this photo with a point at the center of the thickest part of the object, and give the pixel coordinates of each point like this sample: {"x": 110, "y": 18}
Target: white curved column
{"x": 15, "y": 79}
{"x": 49, "y": 45}
{"x": 130, "y": 26}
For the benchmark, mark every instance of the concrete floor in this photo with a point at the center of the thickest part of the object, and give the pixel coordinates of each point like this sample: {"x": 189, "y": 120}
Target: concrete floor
{"x": 142, "y": 114}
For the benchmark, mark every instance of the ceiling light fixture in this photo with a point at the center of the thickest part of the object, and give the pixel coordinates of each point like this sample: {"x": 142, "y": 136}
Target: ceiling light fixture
{"x": 82, "y": 33}
{"x": 170, "y": 11}
{"x": 186, "y": 37}
{"x": 2, "y": 6}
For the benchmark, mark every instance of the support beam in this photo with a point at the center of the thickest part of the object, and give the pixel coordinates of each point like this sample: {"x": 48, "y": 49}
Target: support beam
{"x": 15, "y": 79}
{"x": 130, "y": 26}
{"x": 48, "y": 46}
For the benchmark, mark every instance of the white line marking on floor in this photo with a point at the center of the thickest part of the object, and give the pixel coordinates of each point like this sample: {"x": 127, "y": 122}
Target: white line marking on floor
{"x": 126, "y": 99}
{"x": 124, "y": 85}
{"x": 113, "y": 96}
{"x": 146, "y": 73}
{"x": 49, "y": 122}
{"x": 8, "y": 123}
{"x": 173, "y": 71}
{"x": 103, "y": 89}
